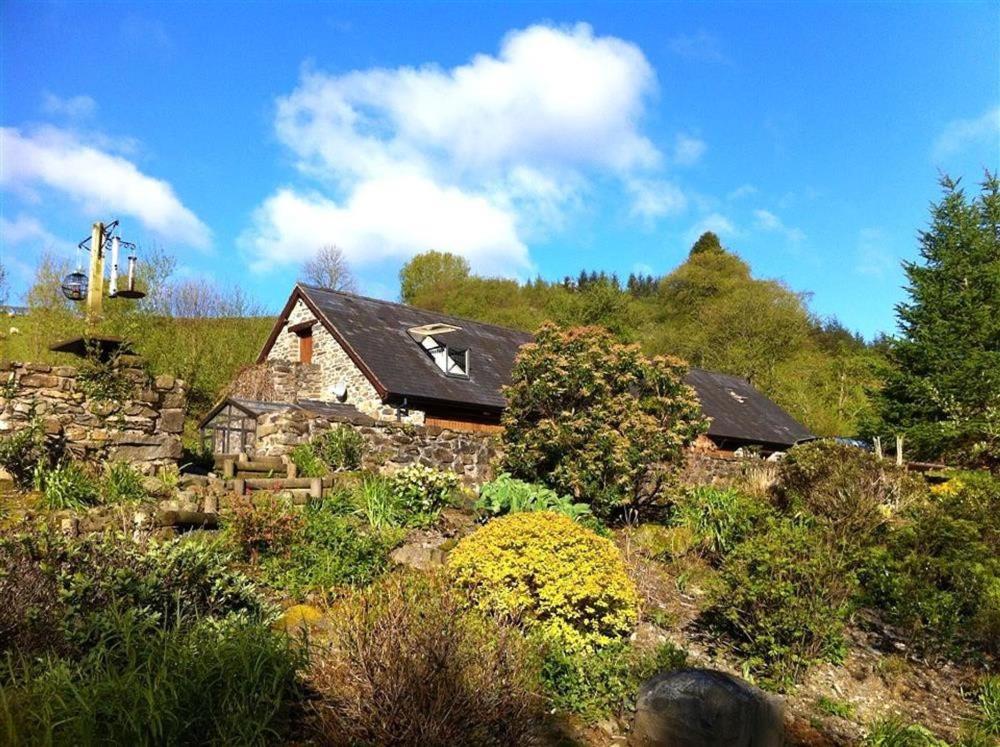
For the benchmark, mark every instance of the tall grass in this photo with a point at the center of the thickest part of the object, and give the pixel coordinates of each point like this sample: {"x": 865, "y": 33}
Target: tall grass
{"x": 207, "y": 682}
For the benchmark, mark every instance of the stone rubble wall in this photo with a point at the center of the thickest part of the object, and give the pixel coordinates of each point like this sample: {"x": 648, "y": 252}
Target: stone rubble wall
{"x": 389, "y": 446}
{"x": 724, "y": 468}
{"x": 143, "y": 429}
{"x": 331, "y": 365}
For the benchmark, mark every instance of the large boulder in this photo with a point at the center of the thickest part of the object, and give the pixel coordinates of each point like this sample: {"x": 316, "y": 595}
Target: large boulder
{"x": 705, "y": 708}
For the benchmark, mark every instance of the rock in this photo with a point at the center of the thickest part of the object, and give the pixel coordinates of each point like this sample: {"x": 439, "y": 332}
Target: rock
{"x": 164, "y": 382}
{"x": 172, "y": 421}
{"x": 419, "y": 556}
{"x": 705, "y": 708}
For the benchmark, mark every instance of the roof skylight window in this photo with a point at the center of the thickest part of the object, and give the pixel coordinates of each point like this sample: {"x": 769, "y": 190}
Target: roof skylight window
{"x": 452, "y": 361}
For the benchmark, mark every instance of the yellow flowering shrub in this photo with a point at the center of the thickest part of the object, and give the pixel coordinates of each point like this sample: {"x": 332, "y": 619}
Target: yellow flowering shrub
{"x": 550, "y": 575}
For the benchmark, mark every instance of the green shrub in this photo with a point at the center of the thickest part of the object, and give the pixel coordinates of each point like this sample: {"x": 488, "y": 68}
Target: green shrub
{"x": 67, "y": 485}
{"x": 341, "y": 448}
{"x": 507, "y": 495}
{"x": 333, "y": 550}
{"x": 785, "y": 595}
{"x": 307, "y": 462}
{"x": 938, "y": 574}
{"x": 851, "y": 489}
{"x": 122, "y": 483}
{"x": 595, "y": 419}
{"x": 166, "y": 582}
{"x": 893, "y": 731}
{"x": 143, "y": 683}
{"x": 598, "y": 684}
{"x": 261, "y": 524}
{"x": 422, "y": 491}
{"x": 549, "y": 574}
{"x": 663, "y": 543}
{"x": 719, "y": 518}
{"x": 23, "y": 452}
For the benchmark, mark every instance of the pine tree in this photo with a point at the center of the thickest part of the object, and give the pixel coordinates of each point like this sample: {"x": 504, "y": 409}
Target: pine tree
{"x": 707, "y": 243}
{"x": 942, "y": 387}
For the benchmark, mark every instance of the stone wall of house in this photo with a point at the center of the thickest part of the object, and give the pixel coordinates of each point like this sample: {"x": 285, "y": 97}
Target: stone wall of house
{"x": 330, "y": 366}
{"x": 142, "y": 428}
{"x": 390, "y": 446}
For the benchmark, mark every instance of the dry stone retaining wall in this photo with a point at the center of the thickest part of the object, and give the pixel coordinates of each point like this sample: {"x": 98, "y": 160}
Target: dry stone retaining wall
{"x": 389, "y": 446}
{"x": 142, "y": 428}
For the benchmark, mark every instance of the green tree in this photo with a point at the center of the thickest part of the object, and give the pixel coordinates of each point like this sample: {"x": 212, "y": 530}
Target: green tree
{"x": 709, "y": 243}
{"x": 596, "y": 419}
{"x": 942, "y": 382}
{"x": 430, "y": 274}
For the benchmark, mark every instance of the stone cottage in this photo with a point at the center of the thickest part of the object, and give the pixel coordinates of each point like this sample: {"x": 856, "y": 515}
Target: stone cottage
{"x": 337, "y": 357}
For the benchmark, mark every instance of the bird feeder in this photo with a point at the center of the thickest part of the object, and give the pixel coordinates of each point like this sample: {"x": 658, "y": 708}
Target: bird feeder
{"x": 74, "y": 286}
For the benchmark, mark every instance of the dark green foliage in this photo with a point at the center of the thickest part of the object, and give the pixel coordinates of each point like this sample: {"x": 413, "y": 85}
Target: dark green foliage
{"x": 121, "y": 483}
{"x": 851, "y": 489}
{"x": 604, "y": 682}
{"x": 341, "y": 447}
{"x": 160, "y": 581}
{"x": 942, "y": 382}
{"x": 333, "y": 550}
{"x": 938, "y": 574}
{"x": 66, "y": 485}
{"x": 708, "y": 242}
{"x": 147, "y": 683}
{"x": 595, "y": 419}
{"x": 785, "y": 595}
{"x": 719, "y": 518}
{"x": 22, "y": 452}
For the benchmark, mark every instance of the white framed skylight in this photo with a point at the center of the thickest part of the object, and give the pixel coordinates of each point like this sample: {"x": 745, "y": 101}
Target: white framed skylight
{"x": 451, "y": 361}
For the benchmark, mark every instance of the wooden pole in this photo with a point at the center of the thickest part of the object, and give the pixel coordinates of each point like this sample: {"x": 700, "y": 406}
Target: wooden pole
{"x": 95, "y": 277}
{"x": 899, "y": 451}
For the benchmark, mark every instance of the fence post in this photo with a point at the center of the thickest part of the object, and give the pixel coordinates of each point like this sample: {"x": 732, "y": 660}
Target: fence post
{"x": 899, "y": 451}
{"x": 316, "y": 487}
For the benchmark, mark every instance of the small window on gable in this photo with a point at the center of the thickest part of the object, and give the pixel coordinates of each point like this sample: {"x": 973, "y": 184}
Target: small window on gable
{"x": 453, "y": 361}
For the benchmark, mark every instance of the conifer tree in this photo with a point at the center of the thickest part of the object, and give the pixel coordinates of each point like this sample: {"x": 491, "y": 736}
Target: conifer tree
{"x": 942, "y": 386}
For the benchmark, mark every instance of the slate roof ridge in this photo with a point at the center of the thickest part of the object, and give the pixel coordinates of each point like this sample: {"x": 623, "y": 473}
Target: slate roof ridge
{"x": 463, "y": 320}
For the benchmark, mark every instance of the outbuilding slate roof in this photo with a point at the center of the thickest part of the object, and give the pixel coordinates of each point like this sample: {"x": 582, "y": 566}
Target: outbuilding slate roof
{"x": 374, "y": 333}
{"x": 740, "y": 412}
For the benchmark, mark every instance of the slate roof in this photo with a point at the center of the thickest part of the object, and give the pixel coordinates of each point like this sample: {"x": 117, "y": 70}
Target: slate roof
{"x": 374, "y": 332}
{"x": 740, "y": 412}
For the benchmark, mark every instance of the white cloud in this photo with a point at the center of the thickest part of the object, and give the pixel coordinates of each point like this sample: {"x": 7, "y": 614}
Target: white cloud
{"x": 744, "y": 190}
{"x": 74, "y": 107}
{"x": 391, "y": 217}
{"x": 874, "y": 257}
{"x": 551, "y": 96}
{"x": 688, "y": 149}
{"x": 715, "y": 222}
{"x": 960, "y": 134}
{"x": 99, "y": 181}
{"x": 499, "y": 149}
{"x": 26, "y": 229}
{"x": 765, "y": 220}
{"x": 655, "y": 198}
{"x": 699, "y": 47}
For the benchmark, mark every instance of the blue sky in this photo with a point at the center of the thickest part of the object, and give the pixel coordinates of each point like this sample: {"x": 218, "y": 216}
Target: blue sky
{"x": 532, "y": 138}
